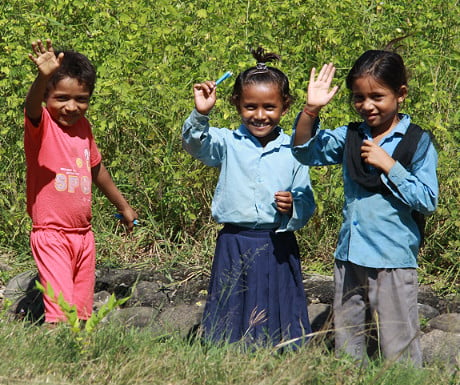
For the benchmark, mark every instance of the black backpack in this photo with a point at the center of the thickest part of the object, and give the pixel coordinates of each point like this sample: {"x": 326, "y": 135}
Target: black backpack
{"x": 403, "y": 153}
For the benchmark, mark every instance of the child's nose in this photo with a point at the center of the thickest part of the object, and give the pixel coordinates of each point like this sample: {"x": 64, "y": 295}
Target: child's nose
{"x": 367, "y": 104}
{"x": 260, "y": 113}
{"x": 71, "y": 105}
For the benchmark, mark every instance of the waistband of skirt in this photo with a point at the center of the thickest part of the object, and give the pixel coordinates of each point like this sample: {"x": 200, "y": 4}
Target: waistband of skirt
{"x": 79, "y": 230}
{"x": 235, "y": 229}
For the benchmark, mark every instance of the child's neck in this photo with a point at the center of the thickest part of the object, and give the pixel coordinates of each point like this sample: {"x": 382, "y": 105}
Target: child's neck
{"x": 379, "y": 132}
{"x": 267, "y": 139}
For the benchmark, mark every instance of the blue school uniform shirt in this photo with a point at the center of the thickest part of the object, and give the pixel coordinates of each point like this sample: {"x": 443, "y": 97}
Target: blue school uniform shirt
{"x": 378, "y": 231}
{"x": 250, "y": 175}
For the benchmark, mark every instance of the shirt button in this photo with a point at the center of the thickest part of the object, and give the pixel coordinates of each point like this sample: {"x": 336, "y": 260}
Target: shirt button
{"x": 355, "y": 223}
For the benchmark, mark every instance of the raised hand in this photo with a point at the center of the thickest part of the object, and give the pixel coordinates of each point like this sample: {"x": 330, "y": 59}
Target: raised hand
{"x": 319, "y": 88}
{"x": 205, "y": 96}
{"x": 44, "y": 58}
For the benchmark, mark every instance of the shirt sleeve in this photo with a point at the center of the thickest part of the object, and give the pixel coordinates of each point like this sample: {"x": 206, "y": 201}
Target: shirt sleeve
{"x": 203, "y": 142}
{"x": 34, "y": 132}
{"x": 324, "y": 148}
{"x": 416, "y": 186}
{"x": 303, "y": 205}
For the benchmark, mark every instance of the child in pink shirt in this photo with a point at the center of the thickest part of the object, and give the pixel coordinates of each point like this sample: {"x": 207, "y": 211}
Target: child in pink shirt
{"x": 62, "y": 163}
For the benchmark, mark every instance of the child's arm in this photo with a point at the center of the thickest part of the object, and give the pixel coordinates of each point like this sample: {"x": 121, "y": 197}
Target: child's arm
{"x": 105, "y": 184}
{"x": 47, "y": 63}
{"x": 318, "y": 95}
{"x": 198, "y": 138}
{"x": 205, "y": 96}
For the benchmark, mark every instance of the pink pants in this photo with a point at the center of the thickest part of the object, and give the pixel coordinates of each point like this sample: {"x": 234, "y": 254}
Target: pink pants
{"x": 67, "y": 260}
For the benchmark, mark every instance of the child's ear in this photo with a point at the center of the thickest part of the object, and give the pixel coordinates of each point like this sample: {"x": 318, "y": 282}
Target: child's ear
{"x": 402, "y": 94}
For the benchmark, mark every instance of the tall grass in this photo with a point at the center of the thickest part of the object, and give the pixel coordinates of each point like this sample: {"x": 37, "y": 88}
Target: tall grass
{"x": 120, "y": 356}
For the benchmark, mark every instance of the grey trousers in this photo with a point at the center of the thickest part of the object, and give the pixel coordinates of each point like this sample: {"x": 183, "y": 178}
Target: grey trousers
{"x": 391, "y": 297}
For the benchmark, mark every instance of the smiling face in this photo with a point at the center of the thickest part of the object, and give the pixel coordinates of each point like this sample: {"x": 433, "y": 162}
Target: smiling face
{"x": 261, "y": 108}
{"x": 377, "y": 103}
{"x": 68, "y": 101}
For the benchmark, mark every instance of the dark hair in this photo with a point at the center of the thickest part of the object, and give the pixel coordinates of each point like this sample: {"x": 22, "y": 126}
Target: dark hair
{"x": 262, "y": 73}
{"x": 384, "y": 66}
{"x": 76, "y": 66}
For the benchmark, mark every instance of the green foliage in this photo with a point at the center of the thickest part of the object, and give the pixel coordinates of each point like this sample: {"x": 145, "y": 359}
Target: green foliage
{"x": 82, "y": 330}
{"x": 148, "y": 54}
{"x": 117, "y": 355}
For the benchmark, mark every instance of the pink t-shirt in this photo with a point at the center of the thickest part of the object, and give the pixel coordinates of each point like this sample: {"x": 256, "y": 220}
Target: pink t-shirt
{"x": 59, "y": 161}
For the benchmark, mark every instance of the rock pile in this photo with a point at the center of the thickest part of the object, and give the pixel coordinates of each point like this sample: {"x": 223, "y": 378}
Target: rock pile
{"x": 175, "y": 305}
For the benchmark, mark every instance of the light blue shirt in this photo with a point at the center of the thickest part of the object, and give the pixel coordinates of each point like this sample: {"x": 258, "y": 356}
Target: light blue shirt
{"x": 378, "y": 231}
{"x": 250, "y": 175}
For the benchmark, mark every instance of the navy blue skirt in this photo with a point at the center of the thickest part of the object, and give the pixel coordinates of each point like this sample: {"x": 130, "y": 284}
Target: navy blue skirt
{"x": 256, "y": 293}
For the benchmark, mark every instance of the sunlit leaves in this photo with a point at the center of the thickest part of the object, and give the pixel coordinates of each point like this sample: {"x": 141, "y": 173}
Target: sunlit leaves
{"x": 148, "y": 54}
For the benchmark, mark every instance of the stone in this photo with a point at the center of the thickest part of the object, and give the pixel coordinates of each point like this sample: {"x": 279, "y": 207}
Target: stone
{"x": 319, "y": 288}
{"x": 26, "y": 299}
{"x": 139, "y": 317}
{"x": 147, "y": 294}
{"x": 439, "y": 347}
{"x": 182, "y": 319}
{"x": 120, "y": 281}
{"x": 100, "y": 299}
{"x": 427, "y": 312}
{"x": 448, "y": 304}
{"x": 449, "y": 322}
{"x": 318, "y": 315}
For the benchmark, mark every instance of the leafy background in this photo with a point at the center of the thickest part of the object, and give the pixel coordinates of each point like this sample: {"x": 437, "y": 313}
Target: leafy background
{"x": 148, "y": 54}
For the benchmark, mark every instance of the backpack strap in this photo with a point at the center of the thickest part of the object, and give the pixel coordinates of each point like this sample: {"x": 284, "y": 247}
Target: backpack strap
{"x": 405, "y": 150}
{"x": 403, "y": 153}
{"x": 355, "y": 164}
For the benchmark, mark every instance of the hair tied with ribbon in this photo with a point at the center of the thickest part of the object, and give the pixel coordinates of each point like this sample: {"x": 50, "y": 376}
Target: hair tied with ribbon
{"x": 261, "y": 66}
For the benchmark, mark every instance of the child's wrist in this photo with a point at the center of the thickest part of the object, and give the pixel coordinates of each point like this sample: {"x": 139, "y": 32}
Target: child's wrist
{"x": 312, "y": 112}
{"x": 203, "y": 112}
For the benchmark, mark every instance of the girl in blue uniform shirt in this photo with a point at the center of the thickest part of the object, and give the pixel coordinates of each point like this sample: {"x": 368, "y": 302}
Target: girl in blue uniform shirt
{"x": 389, "y": 174}
{"x": 262, "y": 196}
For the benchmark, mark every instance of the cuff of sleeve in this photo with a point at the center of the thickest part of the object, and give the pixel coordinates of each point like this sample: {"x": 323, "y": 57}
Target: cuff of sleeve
{"x": 284, "y": 226}
{"x": 195, "y": 115}
{"x": 397, "y": 174}
{"x": 290, "y": 223}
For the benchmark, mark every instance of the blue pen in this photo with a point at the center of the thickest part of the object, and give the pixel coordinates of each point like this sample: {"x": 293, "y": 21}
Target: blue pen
{"x": 119, "y": 216}
{"x": 226, "y": 75}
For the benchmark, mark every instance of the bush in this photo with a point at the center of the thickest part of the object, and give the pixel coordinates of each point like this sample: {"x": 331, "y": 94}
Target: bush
{"x": 148, "y": 55}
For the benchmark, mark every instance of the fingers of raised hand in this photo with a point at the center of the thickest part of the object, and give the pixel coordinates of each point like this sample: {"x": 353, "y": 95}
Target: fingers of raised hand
{"x": 206, "y": 87}
{"x": 39, "y": 48}
{"x": 327, "y": 73}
